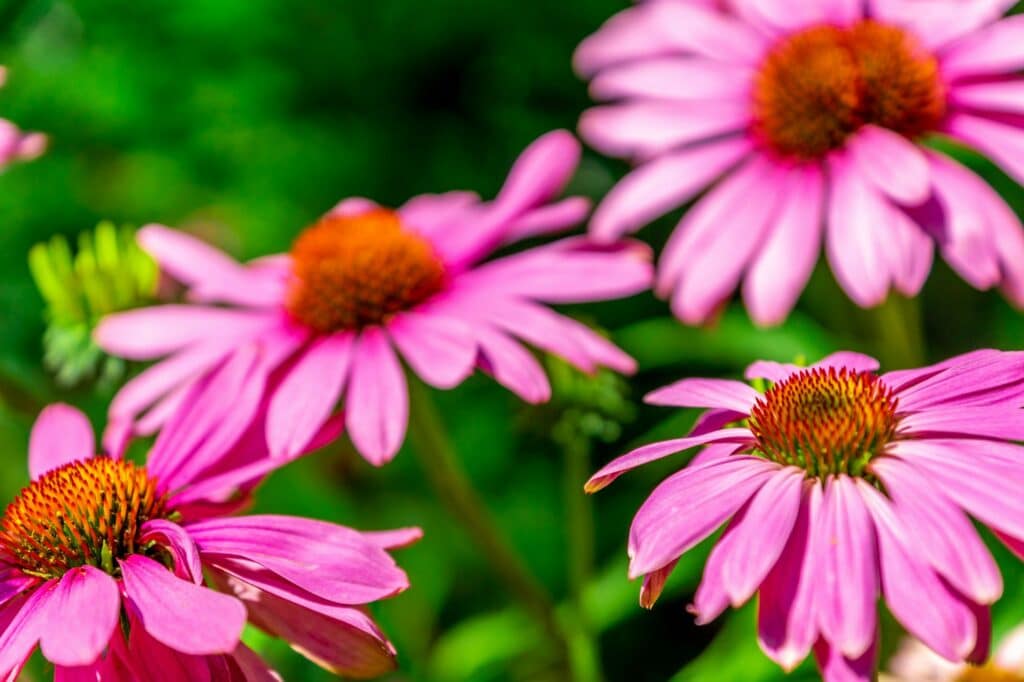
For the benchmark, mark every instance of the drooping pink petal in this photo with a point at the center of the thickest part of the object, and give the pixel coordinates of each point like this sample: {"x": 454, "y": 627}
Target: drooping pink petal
{"x": 178, "y": 613}
{"x": 653, "y": 585}
{"x": 784, "y": 263}
{"x": 26, "y": 617}
{"x": 252, "y": 667}
{"x": 440, "y": 349}
{"x": 847, "y": 570}
{"x": 913, "y": 592}
{"x": 341, "y": 639}
{"x": 149, "y": 333}
{"x": 663, "y": 184}
{"x": 512, "y": 365}
{"x": 88, "y": 600}
{"x": 704, "y": 260}
{"x": 182, "y": 547}
{"x": 197, "y": 264}
{"x": 156, "y": 662}
{"x": 1000, "y": 96}
{"x": 377, "y": 403}
{"x": 308, "y": 394}
{"x": 836, "y": 667}
{"x": 995, "y": 49}
{"x": 673, "y": 78}
{"x": 327, "y": 560}
{"x": 977, "y": 379}
{"x": 943, "y": 534}
{"x": 708, "y": 33}
{"x": 628, "y": 35}
{"x": 60, "y": 435}
{"x": 1003, "y": 143}
{"x": 787, "y": 616}
{"x": 892, "y": 163}
{"x": 1000, "y": 422}
{"x": 656, "y": 451}
{"x": 548, "y": 219}
{"x": 394, "y": 539}
{"x": 722, "y": 393}
{"x": 689, "y": 506}
{"x": 429, "y": 213}
{"x": 856, "y": 217}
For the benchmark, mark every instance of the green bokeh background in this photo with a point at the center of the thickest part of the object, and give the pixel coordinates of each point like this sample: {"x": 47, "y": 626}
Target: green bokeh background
{"x": 242, "y": 120}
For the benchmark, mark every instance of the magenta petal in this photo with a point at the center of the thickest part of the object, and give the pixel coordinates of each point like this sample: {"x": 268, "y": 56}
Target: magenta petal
{"x": 25, "y": 619}
{"x": 847, "y": 570}
{"x": 722, "y": 393}
{"x": 353, "y": 206}
{"x": 942, "y": 533}
{"x": 155, "y": 662}
{"x": 394, "y": 539}
{"x": 1002, "y": 142}
{"x": 655, "y": 451}
{"x": 89, "y": 599}
{"x": 892, "y": 163}
{"x": 440, "y": 349}
{"x": 61, "y": 435}
{"x": 307, "y": 394}
{"x": 689, "y": 506}
{"x": 512, "y": 366}
{"x": 836, "y": 667}
{"x": 1003, "y": 422}
{"x": 377, "y": 404}
{"x": 914, "y": 593}
{"x": 176, "y": 539}
{"x": 186, "y": 617}
{"x": 995, "y": 49}
{"x": 787, "y": 616}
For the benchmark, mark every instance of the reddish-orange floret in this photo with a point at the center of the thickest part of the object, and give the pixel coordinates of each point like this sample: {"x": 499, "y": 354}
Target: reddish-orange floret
{"x": 356, "y": 271}
{"x": 87, "y": 512}
{"x": 818, "y": 86}
{"x": 826, "y": 421}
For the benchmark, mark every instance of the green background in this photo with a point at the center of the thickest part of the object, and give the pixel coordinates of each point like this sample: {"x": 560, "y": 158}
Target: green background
{"x": 242, "y": 120}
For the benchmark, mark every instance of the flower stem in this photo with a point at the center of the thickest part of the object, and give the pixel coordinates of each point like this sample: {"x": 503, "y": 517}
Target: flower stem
{"x": 899, "y": 332}
{"x": 584, "y": 653}
{"x": 443, "y": 469}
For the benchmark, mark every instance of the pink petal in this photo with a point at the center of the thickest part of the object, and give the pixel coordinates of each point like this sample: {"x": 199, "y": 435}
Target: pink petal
{"x": 439, "y": 349}
{"x": 836, "y": 667}
{"x": 628, "y": 35}
{"x": 717, "y": 239}
{"x": 394, "y": 539}
{"x": 943, "y": 534}
{"x": 913, "y": 592}
{"x": 195, "y": 263}
{"x": 985, "y": 422}
{"x": 856, "y": 252}
{"x": 775, "y": 371}
{"x": 892, "y": 163}
{"x": 848, "y": 570}
{"x": 155, "y": 662}
{"x": 89, "y": 599}
{"x": 60, "y": 435}
{"x": 993, "y": 50}
{"x": 785, "y": 260}
{"x": 25, "y": 619}
{"x": 688, "y": 506}
{"x": 722, "y": 393}
{"x": 1003, "y": 143}
{"x": 662, "y": 184}
{"x": 1001, "y": 96}
{"x": 787, "y": 616}
{"x": 548, "y": 219}
{"x": 180, "y": 544}
{"x": 377, "y": 404}
{"x": 673, "y": 78}
{"x": 656, "y": 451}
{"x": 512, "y": 365}
{"x": 353, "y": 206}
{"x": 708, "y": 33}
{"x": 149, "y": 333}
{"x": 178, "y": 613}
{"x": 330, "y": 561}
{"x": 653, "y": 585}
{"x": 430, "y": 213}
{"x": 643, "y": 129}
{"x": 308, "y": 393}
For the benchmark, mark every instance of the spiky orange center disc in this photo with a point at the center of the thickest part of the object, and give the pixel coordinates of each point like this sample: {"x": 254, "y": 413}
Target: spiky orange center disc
{"x": 826, "y": 421}
{"x": 818, "y": 86}
{"x": 87, "y": 512}
{"x": 355, "y": 271}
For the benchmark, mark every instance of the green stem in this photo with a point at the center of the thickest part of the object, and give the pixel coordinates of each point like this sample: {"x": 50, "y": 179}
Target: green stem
{"x": 584, "y": 652}
{"x": 443, "y": 469}
{"x": 900, "y": 333}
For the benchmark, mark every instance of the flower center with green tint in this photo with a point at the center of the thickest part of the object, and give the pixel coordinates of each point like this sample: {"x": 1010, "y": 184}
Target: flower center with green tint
{"x": 826, "y": 421}
{"x": 820, "y": 85}
{"x": 356, "y": 271}
{"x": 988, "y": 673}
{"x": 87, "y": 512}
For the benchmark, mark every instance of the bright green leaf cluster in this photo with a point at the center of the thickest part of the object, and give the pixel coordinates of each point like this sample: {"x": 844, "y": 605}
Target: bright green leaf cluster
{"x": 109, "y": 273}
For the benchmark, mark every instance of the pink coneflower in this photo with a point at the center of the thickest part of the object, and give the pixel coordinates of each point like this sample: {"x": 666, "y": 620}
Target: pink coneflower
{"x": 914, "y": 662}
{"x": 808, "y": 122}
{"x": 15, "y": 144}
{"x": 842, "y": 485}
{"x": 108, "y": 566}
{"x": 365, "y": 282}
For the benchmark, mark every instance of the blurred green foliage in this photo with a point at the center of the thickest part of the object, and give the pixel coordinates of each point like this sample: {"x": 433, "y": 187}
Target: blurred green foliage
{"x": 242, "y": 120}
